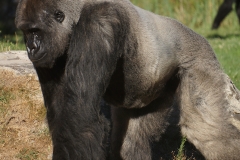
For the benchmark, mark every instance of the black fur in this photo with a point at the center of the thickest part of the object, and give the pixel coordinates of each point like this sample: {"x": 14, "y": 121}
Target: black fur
{"x": 73, "y": 89}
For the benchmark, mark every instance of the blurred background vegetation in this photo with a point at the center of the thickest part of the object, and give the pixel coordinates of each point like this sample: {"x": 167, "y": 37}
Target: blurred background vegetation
{"x": 10, "y": 37}
{"x": 196, "y": 14}
{"x": 193, "y": 13}
{"x": 7, "y": 15}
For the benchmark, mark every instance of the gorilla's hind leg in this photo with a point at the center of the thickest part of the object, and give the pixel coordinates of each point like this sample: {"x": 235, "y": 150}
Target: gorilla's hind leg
{"x": 135, "y": 130}
{"x": 208, "y": 105}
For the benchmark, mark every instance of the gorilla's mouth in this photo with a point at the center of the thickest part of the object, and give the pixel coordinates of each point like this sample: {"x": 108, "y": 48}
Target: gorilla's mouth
{"x": 35, "y": 58}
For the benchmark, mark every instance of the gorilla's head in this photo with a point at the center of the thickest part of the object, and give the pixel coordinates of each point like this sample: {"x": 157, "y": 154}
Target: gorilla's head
{"x": 47, "y": 26}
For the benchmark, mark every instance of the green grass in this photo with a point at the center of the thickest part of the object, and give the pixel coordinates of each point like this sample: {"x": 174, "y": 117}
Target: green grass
{"x": 11, "y": 42}
{"x": 227, "y": 49}
{"x": 180, "y": 154}
{"x": 5, "y": 97}
{"x": 27, "y": 154}
{"x": 195, "y": 14}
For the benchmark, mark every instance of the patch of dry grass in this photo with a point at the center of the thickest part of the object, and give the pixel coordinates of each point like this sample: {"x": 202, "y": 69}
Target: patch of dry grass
{"x": 23, "y": 132}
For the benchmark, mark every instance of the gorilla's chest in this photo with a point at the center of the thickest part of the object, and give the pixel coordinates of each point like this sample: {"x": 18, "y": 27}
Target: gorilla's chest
{"x": 131, "y": 87}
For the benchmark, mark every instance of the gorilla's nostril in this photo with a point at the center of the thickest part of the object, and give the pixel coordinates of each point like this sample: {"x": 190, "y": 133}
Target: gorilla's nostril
{"x": 28, "y": 50}
{"x": 32, "y": 47}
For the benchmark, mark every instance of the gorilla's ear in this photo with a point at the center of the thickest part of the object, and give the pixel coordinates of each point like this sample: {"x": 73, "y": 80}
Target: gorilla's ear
{"x": 59, "y": 16}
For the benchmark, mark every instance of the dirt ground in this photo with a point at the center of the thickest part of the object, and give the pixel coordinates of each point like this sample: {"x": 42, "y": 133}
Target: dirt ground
{"x": 24, "y": 133}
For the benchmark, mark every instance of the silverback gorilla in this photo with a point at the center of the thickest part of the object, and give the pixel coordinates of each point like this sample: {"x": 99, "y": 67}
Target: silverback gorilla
{"x": 142, "y": 64}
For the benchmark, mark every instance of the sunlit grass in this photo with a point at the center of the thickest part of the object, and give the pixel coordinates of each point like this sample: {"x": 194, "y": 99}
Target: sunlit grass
{"x": 22, "y": 116}
{"x": 194, "y": 14}
{"x": 227, "y": 48}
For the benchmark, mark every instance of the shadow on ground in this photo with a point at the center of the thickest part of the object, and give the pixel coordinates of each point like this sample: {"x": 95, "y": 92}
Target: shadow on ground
{"x": 214, "y": 36}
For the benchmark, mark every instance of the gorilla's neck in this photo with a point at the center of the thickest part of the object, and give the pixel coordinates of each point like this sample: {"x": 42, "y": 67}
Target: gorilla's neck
{"x": 51, "y": 78}
{"x": 55, "y": 73}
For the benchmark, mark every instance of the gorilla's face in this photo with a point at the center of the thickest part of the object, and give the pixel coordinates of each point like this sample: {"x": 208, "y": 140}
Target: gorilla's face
{"x": 46, "y": 30}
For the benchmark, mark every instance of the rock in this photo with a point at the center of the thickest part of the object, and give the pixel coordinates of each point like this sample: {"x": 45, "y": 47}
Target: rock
{"x": 17, "y": 61}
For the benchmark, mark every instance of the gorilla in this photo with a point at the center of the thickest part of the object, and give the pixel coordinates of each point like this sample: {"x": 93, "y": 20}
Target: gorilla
{"x": 143, "y": 65}
{"x": 224, "y": 9}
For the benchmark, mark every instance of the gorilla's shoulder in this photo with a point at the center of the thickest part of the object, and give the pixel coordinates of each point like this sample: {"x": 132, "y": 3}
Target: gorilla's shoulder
{"x": 106, "y": 20}
{"x": 100, "y": 10}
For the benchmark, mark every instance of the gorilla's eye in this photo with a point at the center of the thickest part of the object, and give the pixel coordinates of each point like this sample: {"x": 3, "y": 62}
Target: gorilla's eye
{"x": 59, "y": 16}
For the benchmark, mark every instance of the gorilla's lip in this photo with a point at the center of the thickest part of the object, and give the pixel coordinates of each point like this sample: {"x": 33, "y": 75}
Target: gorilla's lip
{"x": 38, "y": 59}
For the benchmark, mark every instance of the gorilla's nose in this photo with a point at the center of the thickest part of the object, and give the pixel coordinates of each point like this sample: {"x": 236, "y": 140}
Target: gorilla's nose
{"x": 32, "y": 47}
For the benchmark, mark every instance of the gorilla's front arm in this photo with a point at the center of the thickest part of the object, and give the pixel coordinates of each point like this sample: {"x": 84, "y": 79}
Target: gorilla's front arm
{"x": 94, "y": 50}
{"x": 99, "y": 36}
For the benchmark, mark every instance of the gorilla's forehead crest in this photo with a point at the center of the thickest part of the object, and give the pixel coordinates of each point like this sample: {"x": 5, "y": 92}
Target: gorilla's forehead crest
{"x": 32, "y": 9}
{"x": 40, "y": 10}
